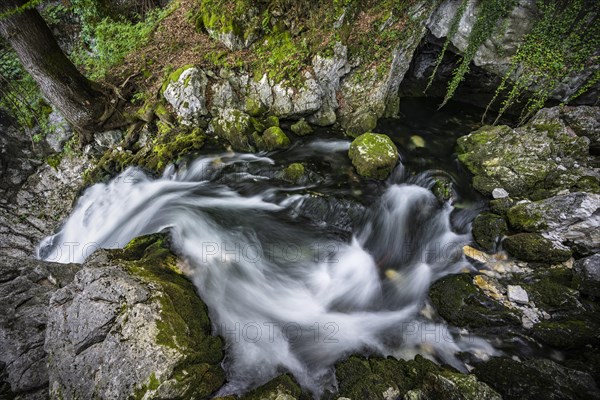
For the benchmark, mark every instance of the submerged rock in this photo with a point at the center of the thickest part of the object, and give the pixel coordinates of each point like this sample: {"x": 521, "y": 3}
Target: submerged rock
{"x": 131, "y": 325}
{"x": 373, "y": 155}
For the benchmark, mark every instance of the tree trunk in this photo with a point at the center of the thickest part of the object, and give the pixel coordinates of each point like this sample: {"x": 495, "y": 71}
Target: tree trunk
{"x": 81, "y": 101}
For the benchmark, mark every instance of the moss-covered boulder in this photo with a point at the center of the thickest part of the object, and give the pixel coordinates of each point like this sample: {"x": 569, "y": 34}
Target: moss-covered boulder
{"x": 388, "y": 378}
{"x": 534, "y": 247}
{"x": 302, "y": 128}
{"x": 571, "y": 219}
{"x": 374, "y": 155}
{"x": 293, "y": 173}
{"x": 535, "y": 379}
{"x": 284, "y": 387}
{"x": 488, "y": 229}
{"x": 131, "y": 325}
{"x": 568, "y": 334}
{"x": 536, "y": 160}
{"x": 460, "y": 302}
{"x": 234, "y": 126}
{"x": 271, "y": 139}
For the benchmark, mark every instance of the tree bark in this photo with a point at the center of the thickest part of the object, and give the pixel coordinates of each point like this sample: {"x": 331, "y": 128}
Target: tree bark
{"x": 82, "y": 102}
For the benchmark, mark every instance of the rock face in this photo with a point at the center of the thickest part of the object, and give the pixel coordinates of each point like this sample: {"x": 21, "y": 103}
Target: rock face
{"x": 374, "y": 155}
{"x": 186, "y": 93}
{"x": 587, "y": 275}
{"x": 130, "y": 325}
{"x": 25, "y": 290}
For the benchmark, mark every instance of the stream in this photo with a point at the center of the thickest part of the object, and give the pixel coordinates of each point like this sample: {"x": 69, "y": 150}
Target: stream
{"x": 299, "y": 276}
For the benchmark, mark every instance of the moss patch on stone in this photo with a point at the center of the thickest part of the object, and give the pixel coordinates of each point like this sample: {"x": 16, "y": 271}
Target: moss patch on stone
{"x": 487, "y": 229}
{"x": 272, "y": 138}
{"x": 374, "y": 155}
{"x": 534, "y": 247}
{"x": 463, "y": 304}
{"x": 184, "y": 324}
{"x": 293, "y": 173}
{"x": 302, "y": 128}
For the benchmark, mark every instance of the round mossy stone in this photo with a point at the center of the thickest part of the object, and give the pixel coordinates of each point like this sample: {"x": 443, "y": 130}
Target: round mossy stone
{"x": 274, "y": 138}
{"x": 301, "y": 128}
{"x": 535, "y": 248}
{"x": 293, "y": 173}
{"x": 374, "y": 155}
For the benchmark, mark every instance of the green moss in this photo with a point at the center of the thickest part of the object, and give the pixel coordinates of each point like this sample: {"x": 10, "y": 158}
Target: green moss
{"x": 373, "y": 155}
{"x": 501, "y": 206}
{"x": 293, "y": 173}
{"x": 174, "y": 77}
{"x": 184, "y": 324}
{"x": 301, "y": 128}
{"x": 54, "y": 160}
{"x": 534, "y": 247}
{"x": 463, "y": 304}
{"x": 271, "y": 121}
{"x": 525, "y": 219}
{"x": 175, "y": 144}
{"x": 442, "y": 189}
{"x": 282, "y": 387}
{"x": 273, "y": 138}
{"x": 487, "y": 229}
{"x": 570, "y": 334}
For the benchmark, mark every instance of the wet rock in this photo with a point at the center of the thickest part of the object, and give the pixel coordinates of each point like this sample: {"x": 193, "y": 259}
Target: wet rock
{"x": 388, "y": 378}
{"x": 575, "y": 333}
{"x": 587, "y": 275}
{"x": 293, "y": 173}
{"x": 501, "y": 206}
{"x": 460, "y": 302}
{"x": 373, "y": 155}
{"x": 527, "y": 161}
{"x": 26, "y": 286}
{"x": 272, "y": 139}
{"x": 131, "y": 325}
{"x": 61, "y": 131}
{"x": 535, "y": 379}
{"x": 517, "y": 294}
{"x": 234, "y": 126}
{"x": 535, "y": 248}
{"x": 572, "y": 219}
{"x": 301, "y": 128}
{"x": 185, "y": 91}
{"x": 284, "y": 387}
{"x": 488, "y": 229}
{"x": 107, "y": 140}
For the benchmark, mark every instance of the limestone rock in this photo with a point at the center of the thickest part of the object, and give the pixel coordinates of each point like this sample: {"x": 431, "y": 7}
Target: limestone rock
{"x": 373, "y": 155}
{"x": 517, "y": 294}
{"x": 25, "y": 290}
{"x": 130, "y": 325}
{"x": 587, "y": 275}
{"x": 186, "y": 94}
{"x": 234, "y": 126}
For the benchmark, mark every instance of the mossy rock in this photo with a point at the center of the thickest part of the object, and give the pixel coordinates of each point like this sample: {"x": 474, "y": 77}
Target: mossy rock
{"x": 174, "y": 77}
{"x": 235, "y": 127}
{"x": 568, "y": 334}
{"x": 184, "y": 324}
{"x": 293, "y": 173}
{"x": 442, "y": 189}
{"x": 272, "y": 138}
{"x": 173, "y": 145}
{"x": 524, "y": 218}
{"x": 534, "y": 247}
{"x": 282, "y": 387}
{"x": 373, "y": 155}
{"x": 552, "y": 293}
{"x": 501, "y": 206}
{"x": 535, "y": 379}
{"x": 271, "y": 121}
{"x": 463, "y": 304}
{"x": 358, "y": 124}
{"x": 302, "y": 128}
{"x": 385, "y": 378}
{"x": 487, "y": 229}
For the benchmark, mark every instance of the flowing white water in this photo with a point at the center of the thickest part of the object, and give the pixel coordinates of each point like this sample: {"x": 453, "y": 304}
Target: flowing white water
{"x": 285, "y": 295}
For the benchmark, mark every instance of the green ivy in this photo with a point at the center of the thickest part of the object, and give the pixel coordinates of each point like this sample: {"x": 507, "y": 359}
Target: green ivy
{"x": 564, "y": 41}
{"x": 491, "y": 12}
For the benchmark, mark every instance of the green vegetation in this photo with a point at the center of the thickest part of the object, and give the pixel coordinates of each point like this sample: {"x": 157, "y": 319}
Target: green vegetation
{"x": 564, "y": 41}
